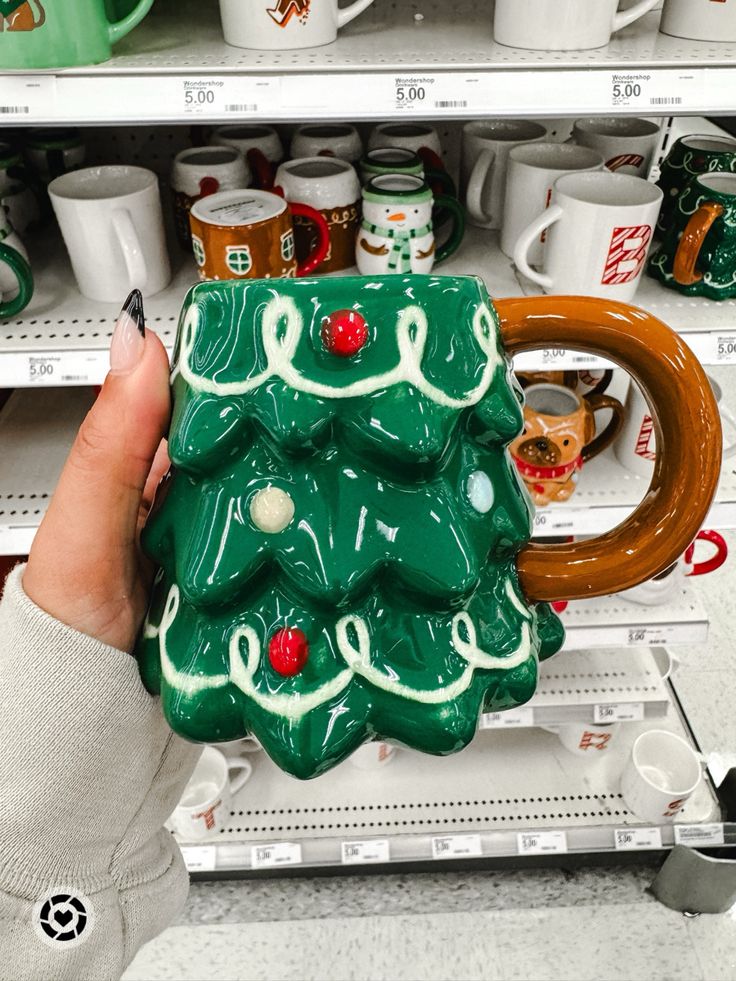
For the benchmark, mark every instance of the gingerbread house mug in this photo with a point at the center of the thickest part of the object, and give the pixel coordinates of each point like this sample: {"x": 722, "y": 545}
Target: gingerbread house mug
{"x": 344, "y": 544}
{"x": 200, "y": 171}
{"x": 260, "y": 145}
{"x": 559, "y": 437}
{"x": 249, "y": 234}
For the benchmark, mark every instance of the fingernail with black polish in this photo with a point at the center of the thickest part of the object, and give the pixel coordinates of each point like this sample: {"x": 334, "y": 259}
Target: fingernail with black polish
{"x": 128, "y": 339}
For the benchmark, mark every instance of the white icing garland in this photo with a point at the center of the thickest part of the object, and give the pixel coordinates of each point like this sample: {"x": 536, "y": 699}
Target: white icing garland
{"x": 280, "y": 354}
{"x": 296, "y": 704}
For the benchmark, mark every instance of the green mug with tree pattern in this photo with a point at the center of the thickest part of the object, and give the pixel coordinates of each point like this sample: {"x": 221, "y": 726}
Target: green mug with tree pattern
{"x": 697, "y": 255}
{"x": 689, "y": 157}
{"x": 40, "y": 34}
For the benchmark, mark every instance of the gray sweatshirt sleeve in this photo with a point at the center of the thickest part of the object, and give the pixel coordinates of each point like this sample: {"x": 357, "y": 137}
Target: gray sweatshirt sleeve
{"x": 89, "y": 772}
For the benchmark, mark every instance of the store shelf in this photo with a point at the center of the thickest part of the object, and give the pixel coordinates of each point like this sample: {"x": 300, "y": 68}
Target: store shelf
{"x": 588, "y": 686}
{"x": 447, "y": 47}
{"x": 511, "y": 794}
{"x": 62, "y": 338}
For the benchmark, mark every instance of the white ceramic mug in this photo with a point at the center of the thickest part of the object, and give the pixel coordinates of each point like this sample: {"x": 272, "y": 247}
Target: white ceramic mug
{"x": 372, "y": 756}
{"x": 200, "y": 171}
{"x": 700, "y": 20}
{"x": 282, "y": 25}
{"x": 664, "y": 587}
{"x": 113, "y": 229}
{"x": 532, "y": 170}
{"x": 600, "y": 230}
{"x": 332, "y": 187}
{"x": 636, "y": 447}
{"x": 486, "y": 147}
{"x": 204, "y": 808}
{"x": 562, "y": 25}
{"x": 588, "y": 739}
{"x": 410, "y": 136}
{"x": 260, "y": 145}
{"x": 340, "y": 140}
{"x": 662, "y": 772}
{"x": 626, "y": 143}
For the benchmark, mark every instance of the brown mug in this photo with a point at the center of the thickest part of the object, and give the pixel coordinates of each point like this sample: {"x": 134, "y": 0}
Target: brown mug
{"x": 686, "y": 424}
{"x": 559, "y": 437}
{"x": 249, "y": 234}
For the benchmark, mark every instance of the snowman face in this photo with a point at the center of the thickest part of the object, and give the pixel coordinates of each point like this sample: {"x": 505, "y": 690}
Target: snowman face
{"x": 399, "y": 214}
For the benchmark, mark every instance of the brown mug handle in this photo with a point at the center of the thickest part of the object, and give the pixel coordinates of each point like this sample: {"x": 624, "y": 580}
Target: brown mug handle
{"x": 691, "y": 242}
{"x": 604, "y": 439}
{"x": 687, "y": 428}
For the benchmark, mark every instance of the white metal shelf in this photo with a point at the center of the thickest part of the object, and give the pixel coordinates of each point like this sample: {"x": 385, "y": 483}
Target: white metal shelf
{"x": 62, "y": 338}
{"x": 447, "y": 45}
{"x": 506, "y": 784}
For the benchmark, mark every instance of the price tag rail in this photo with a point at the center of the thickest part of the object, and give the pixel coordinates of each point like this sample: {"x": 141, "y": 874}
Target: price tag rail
{"x": 535, "y": 803}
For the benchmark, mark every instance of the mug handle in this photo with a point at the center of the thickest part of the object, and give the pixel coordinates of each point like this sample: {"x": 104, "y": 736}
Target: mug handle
{"x": 262, "y": 169}
{"x": 713, "y": 563}
{"x": 118, "y": 29}
{"x": 127, "y": 236}
{"x": 319, "y": 252}
{"x": 691, "y": 242}
{"x": 246, "y": 768}
{"x": 604, "y": 439}
{"x": 347, "y": 14}
{"x": 21, "y": 269}
{"x": 625, "y": 17}
{"x": 443, "y": 202}
{"x": 478, "y": 176}
{"x": 530, "y": 236}
{"x": 435, "y": 172}
{"x": 683, "y": 411}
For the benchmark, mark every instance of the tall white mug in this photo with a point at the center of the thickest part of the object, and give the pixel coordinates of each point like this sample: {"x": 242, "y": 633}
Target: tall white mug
{"x": 204, "y": 808}
{"x": 486, "y": 147}
{"x": 700, "y": 20}
{"x": 663, "y": 771}
{"x": 600, "y": 230}
{"x": 113, "y": 229}
{"x": 626, "y": 143}
{"x": 532, "y": 170}
{"x": 562, "y": 25}
{"x": 281, "y": 25}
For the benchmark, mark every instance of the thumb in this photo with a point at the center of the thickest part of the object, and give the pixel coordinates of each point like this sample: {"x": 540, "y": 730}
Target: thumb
{"x": 86, "y": 549}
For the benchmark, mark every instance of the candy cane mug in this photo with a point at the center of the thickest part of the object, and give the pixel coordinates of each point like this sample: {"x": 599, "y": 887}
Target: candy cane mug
{"x": 206, "y": 801}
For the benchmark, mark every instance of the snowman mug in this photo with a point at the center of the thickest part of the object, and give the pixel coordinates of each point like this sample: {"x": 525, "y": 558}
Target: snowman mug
{"x": 397, "y": 234}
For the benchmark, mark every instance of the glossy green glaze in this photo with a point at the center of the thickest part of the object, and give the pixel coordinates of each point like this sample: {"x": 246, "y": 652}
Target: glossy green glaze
{"x": 689, "y": 157}
{"x": 391, "y": 545}
{"x": 50, "y": 34}
{"x": 716, "y": 258}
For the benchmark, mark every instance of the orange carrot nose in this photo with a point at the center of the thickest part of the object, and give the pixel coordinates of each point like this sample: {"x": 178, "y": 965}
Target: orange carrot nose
{"x": 399, "y": 216}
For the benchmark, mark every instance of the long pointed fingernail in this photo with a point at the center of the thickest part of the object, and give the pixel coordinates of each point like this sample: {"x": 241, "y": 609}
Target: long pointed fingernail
{"x": 129, "y": 336}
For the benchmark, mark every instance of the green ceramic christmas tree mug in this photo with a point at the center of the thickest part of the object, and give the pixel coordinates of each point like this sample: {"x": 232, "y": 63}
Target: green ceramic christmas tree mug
{"x": 45, "y": 34}
{"x": 343, "y": 540}
{"x": 697, "y": 255}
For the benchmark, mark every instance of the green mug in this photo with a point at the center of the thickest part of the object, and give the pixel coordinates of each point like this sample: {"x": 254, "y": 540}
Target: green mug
{"x": 42, "y": 34}
{"x": 698, "y": 153}
{"x": 697, "y": 255}
{"x": 15, "y": 272}
{"x": 400, "y": 160}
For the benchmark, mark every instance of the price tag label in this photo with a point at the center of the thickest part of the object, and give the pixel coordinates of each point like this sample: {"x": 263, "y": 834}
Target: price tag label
{"x": 541, "y": 842}
{"x": 43, "y": 369}
{"x": 725, "y": 352}
{"x": 365, "y": 852}
{"x": 276, "y": 854}
{"x": 552, "y": 355}
{"x": 200, "y": 858}
{"x": 699, "y": 834}
{"x": 637, "y": 839}
{"x": 554, "y": 520}
{"x": 655, "y": 89}
{"x": 457, "y": 846}
{"x": 25, "y": 96}
{"x": 512, "y": 719}
{"x": 448, "y": 92}
{"x": 618, "y": 712}
{"x": 220, "y": 95}
{"x": 665, "y": 633}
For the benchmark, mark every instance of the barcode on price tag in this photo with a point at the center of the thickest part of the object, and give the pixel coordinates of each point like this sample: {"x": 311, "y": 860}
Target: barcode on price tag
{"x": 512, "y": 719}
{"x": 662, "y": 88}
{"x": 726, "y": 349}
{"x": 618, "y": 712}
{"x": 276, "y": 854}
{"x": 27, "y": 95}
{"x": 636, "y": 839}
{"x": 456, "y": 846}
{"x": 541, "y": 842}
{"x": 364, "y": 852}
{"x": 200, "y": 858}
{"x": 698, "y": 834}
